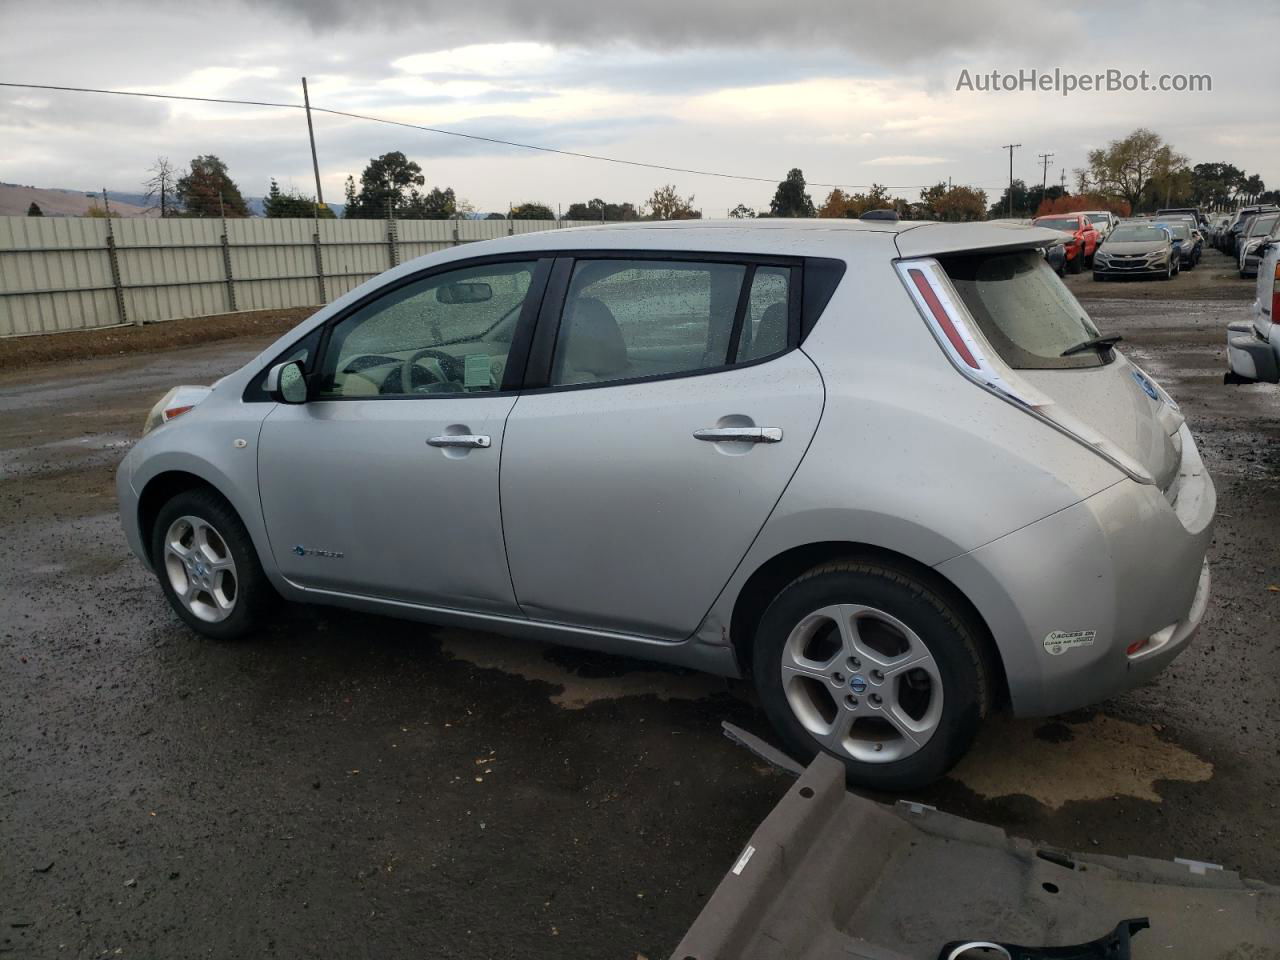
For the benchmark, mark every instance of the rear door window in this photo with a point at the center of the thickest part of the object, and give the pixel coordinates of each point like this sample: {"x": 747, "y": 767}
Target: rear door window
{"x": 1026, "y": 313}
{"x": 632, "y": 319}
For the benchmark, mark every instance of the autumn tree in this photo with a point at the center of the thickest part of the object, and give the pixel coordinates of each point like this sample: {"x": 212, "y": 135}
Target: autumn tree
{"x": 161, "y": 187}
{"x": 34, "y": 210}
{"x": 853, "y": 205}
{"x": 666, "y": 204}
{"x": 1127, "y": 167}
{"x": 956, "y": 204}
{"x": 791, "y": 199}
{"x": 208, "y": 191}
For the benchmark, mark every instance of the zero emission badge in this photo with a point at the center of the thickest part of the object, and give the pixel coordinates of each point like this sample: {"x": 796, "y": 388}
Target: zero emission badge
{"x": 1060, "y": 641}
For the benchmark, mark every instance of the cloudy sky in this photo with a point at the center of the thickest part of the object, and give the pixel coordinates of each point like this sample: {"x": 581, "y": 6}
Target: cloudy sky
{"x": 851, "y": 92}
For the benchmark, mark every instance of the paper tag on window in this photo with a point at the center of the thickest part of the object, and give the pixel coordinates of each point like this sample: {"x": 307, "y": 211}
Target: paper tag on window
{"x": 477, "y": 371}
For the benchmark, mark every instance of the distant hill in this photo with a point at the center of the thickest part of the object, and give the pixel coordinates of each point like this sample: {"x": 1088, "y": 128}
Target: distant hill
{"x": 15, "y": 200}
{"x": 59, "y": 202}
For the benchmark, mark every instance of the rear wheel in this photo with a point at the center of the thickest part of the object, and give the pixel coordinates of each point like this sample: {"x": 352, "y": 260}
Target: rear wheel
{"x": 207, "y": 566}
{"x": 875, "y": 667}
{"x": 1075, "y": 263}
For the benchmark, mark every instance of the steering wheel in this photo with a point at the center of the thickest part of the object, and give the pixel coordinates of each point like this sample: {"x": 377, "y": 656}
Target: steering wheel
{"x": 450, "y": 366}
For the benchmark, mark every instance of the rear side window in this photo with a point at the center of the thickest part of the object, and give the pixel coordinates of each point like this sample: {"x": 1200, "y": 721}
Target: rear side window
{"x": 764, "y": 327}
{"x": 627, "y": 319}
{"x": 1026, "y": 313}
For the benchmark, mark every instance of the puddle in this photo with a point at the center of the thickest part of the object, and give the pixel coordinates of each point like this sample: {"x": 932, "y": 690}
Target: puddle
{"x": 1057, "y": 762}
{"x": 528, "y": 659}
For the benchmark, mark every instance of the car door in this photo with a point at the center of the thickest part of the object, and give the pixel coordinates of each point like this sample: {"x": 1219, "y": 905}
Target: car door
{"x": 666, "y": 409}
{"x": 385, "y": 482}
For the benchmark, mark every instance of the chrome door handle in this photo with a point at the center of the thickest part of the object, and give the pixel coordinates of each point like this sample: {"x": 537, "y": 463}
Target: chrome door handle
{"x": 459, "y": 440}
{"x": 739, "y": 434}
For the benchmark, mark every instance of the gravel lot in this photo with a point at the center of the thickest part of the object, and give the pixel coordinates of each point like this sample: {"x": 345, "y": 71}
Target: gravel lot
{"x": 348, "y": 786}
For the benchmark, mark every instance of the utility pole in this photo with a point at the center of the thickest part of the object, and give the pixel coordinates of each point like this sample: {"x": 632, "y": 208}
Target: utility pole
{"x": 1044, "y": 174}
{"x": 1011, "y": 147}
{"x": 311, "y": 134}
{"x": 106, "y": 204}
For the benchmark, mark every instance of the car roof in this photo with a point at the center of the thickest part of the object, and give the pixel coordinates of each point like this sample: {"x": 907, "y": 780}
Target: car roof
{"x": 815, "y": 237}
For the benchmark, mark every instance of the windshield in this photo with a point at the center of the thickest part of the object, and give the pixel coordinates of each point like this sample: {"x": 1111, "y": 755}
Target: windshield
{"x": 1133, "y": 233}
{"x": 1097, "y": 218}
{"x": 1180, "y": 231}
{"x": 1263, "y": 225}
{"x": 1071, "y": 225}
{"x": 1026, "y": 313}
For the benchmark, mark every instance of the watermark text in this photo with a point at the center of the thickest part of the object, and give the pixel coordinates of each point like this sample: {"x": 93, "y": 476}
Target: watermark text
{"x": 1065, "y": 82}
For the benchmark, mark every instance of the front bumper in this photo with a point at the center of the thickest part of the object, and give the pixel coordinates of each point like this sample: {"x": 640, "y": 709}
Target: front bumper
{"x": 1249, "y": 356}
{"x": 1099, "y": 597}
{"x": 127, "y": 500}
{"x": 1129, "y": 268}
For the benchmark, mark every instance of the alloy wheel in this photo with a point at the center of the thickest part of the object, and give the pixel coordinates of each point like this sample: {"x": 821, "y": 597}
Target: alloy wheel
{"x": 862, "y": 683}
{"x": 201, "y": 569}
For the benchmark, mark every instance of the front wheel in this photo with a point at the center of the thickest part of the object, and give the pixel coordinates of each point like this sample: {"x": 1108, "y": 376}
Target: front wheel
{"x": 875, "y": 667}
{"x": 207, "y": 566}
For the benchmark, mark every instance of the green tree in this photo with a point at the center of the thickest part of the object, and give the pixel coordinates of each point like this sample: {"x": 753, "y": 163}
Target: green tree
{"x": 1021, "y": 201}
{"x": 598, "y": 209}
{"x": 435, "y": 204}
{"x": 790, "y": 199}
{"x": 532, "y": 211}
{"x": 292, "y": 204}
{"x": 1252, "y": 188}
{"x": 388, "y": 183}
{"x": 208, "y": 191}
{"x": 742, "y": 212}
{"x": 34, "y": 210}
{"x": 1214, "y": 184}
{"x": 1127, "y": 167}
{"x": 666, "y": 204}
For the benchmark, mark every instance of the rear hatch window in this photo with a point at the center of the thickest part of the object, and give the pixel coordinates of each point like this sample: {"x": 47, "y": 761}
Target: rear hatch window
{"x": 1030, "y": 319}
{"x": 1026, "y": 313}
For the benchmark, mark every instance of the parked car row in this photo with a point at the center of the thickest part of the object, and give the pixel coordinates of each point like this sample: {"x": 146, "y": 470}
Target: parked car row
{"x": 1253, "y": 345}
{"x": 1229, "y": 229}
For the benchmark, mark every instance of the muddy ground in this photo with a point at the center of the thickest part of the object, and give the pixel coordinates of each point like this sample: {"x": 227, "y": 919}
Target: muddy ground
{"x": 347, "y": 786}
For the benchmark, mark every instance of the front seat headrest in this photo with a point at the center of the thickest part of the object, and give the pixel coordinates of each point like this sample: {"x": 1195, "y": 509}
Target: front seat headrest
{"x": 593, "y": 340}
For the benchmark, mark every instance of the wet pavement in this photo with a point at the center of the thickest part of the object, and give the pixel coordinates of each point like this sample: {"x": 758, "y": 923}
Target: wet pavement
{"x": 352, "y": 786}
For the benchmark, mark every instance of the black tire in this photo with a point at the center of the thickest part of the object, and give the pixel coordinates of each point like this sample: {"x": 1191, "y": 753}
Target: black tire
{"x": 253, "y": 593}
{"x": 941, "y": 625}
{"x": 1168, "y": 272}
{"x": 1075, "y": 264}
{"x": 1098, "y": 277}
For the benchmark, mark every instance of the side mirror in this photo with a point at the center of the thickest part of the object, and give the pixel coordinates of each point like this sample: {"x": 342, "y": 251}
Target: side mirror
{"x": 286, "y": 383}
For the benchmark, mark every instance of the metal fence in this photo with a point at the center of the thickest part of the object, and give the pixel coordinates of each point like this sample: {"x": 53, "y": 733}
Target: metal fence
{"x": 60, "y": 274}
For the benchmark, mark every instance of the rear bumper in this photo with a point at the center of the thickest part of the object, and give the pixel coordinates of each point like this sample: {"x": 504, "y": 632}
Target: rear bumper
{"x": 1251, "y": 358}
{"x": 1067, "y": 598}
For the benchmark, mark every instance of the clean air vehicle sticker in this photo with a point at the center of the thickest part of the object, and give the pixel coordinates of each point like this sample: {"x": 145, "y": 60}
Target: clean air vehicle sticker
{"x": 1060, "y": 641}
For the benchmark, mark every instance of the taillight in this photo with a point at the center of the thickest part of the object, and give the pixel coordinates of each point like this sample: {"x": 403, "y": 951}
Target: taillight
{"x": 1275, "y": 295}
{"x": 940, "y": 316}
{"x": 172, "y": 412}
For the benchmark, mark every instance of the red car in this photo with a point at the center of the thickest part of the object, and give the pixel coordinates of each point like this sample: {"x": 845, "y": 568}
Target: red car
{"x": 1085, "y": 234}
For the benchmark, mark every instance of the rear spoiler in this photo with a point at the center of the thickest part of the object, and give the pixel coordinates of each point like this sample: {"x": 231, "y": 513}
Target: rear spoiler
{"x": 938, "y": 239}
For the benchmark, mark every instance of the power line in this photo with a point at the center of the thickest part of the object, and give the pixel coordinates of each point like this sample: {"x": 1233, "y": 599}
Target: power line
{"x": 456, "y": 133}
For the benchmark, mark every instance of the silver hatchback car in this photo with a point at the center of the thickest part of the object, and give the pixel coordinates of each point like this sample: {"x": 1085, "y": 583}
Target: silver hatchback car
{"x": 891, "y": 471}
